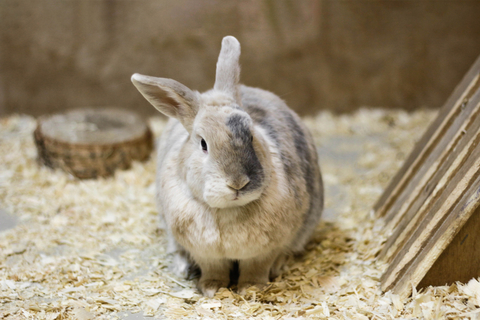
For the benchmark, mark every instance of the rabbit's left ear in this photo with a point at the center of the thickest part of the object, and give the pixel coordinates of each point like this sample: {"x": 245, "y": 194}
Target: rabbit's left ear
{"x": 228, "y": 68}
{"x": 170, "y": 97}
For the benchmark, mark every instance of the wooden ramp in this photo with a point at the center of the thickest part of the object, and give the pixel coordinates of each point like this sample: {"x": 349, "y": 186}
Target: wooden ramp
{"x": 430, "y": 206}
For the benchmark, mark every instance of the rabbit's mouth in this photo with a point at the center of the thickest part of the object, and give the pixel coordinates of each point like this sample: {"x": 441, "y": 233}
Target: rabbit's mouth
{"x": 231, "y": 199}
{"x": 218, "y": 194}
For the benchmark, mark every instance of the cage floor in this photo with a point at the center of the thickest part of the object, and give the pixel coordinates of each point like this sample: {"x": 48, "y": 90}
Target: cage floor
{"x": 91, "y": 249}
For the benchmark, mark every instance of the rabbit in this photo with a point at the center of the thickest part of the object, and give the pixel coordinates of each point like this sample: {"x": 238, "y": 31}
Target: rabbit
{"x": 238, "y": 180}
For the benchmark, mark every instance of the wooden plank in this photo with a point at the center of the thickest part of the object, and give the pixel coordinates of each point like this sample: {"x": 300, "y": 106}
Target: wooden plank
{"x": 460, "y": 261}
{"x": 464, "y": 90}
{"x": 424, "y": 199}
{"x": 455, "y": 206}
{"x": 438, "y": 155}
{"x": 436, "y": 242}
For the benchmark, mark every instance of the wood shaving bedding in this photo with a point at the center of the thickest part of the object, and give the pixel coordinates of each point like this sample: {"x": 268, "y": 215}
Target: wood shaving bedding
{"x": 92, "y": 250}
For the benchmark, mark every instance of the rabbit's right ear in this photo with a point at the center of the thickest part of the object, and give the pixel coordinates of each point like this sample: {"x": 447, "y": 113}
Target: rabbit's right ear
{"x": 169, "y": 97}
{"x": 228, "y": 68}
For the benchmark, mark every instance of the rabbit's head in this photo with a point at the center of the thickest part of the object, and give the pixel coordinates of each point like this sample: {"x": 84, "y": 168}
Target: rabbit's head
{"x": 224, "y": 160}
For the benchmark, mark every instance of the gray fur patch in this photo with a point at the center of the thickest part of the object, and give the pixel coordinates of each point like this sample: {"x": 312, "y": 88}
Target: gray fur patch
{"x": 303, "y": 151}
{"x": 239, "y": 127}
{"x": 312, "y": 178}
{"x": 243, "y": 152}
{"x": 289, "y": 165}
{"x": 257, "y": 114}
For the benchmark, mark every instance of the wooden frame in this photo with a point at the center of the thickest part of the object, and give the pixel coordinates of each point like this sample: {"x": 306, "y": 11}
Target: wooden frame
{"x": 433, "y": 195}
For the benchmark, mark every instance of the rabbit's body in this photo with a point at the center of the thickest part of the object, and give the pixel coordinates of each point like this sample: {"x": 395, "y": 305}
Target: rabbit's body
{"x": 237, "y": 177}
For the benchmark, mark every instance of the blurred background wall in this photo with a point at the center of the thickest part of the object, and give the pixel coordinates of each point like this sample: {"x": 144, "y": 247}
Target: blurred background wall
{"x": 315, "y": 54}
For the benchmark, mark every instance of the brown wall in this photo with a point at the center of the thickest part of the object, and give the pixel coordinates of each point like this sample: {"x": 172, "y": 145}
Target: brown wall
{"x": 315, "y": 54}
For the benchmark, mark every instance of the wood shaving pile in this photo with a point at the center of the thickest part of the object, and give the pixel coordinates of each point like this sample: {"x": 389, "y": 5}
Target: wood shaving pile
{"x": 91, "y": 249}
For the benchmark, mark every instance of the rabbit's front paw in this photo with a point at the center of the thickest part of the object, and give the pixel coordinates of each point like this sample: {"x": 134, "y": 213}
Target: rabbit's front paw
{"x": 209, "y": 287}
{"x": 180, "y": 265}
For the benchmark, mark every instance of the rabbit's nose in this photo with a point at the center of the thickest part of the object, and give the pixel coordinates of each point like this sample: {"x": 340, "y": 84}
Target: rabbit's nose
{"x": 238, "y": 184}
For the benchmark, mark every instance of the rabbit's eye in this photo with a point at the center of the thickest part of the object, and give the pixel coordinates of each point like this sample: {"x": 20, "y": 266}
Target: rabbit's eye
{"x": 204, "y": 146}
